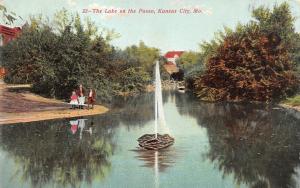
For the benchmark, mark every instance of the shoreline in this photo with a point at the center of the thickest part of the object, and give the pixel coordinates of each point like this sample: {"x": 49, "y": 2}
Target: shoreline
{"x": 294, "y": 110}
{"x": 291, "y": 107}
{"x": 24, "y": 107}
{"x": 26, "y": 117}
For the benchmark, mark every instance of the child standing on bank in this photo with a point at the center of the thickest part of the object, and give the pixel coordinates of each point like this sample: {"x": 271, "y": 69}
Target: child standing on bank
{"x": 74, "y": 100}
{"x": 91, "y": 98}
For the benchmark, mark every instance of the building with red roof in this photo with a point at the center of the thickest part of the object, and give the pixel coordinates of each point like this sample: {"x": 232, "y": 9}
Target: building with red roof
{"x": 172, "y": 56}
{"x": 7, "y": 34}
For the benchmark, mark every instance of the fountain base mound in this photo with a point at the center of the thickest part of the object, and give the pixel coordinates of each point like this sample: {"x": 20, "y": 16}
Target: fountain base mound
{"x": 149, "y": 142}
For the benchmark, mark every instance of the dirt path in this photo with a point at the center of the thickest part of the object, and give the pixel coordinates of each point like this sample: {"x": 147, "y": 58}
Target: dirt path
{"x": 17, "y": 107}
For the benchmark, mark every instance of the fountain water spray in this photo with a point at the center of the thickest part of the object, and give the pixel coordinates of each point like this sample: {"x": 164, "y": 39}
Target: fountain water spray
{"x": 159, "y": 110}
{"x": 157, "y": 141}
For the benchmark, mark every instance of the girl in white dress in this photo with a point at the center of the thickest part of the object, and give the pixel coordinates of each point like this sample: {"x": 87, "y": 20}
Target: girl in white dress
{"x": 74, "y": 100}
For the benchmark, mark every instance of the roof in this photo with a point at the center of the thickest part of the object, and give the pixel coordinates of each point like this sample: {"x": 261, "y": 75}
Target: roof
{"x": 10, "y": 31}
{"x": 171, "y": 54}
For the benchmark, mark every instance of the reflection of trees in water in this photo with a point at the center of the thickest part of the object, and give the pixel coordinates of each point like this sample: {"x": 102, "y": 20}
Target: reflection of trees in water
{"x": 135, "y": 110}
{"x": 165, "y": 158}
{"x": 259, "y": 146}
{"x": 47, "y": 152}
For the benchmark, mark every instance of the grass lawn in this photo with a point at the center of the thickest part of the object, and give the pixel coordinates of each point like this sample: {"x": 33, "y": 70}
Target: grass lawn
{"x": 293, "y": 101}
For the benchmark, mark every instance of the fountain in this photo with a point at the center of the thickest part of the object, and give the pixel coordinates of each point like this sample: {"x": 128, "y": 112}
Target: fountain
{"x": 157, "y": 141}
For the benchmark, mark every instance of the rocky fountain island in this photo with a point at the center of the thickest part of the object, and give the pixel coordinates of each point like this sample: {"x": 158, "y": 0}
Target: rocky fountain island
{"x": 157, "y": 141}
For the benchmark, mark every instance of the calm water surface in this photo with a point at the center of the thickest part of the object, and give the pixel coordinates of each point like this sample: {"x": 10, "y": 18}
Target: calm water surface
{"x": 216, "y": 145}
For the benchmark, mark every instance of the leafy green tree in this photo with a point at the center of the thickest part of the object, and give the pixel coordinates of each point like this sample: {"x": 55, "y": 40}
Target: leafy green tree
{"x": 26, "y": 61}
{"x": 142, "y": 56}
{"x": 280, "y": 21}
{"x": 57, "y": 56}
{"x": 134, "y": 78}
{"x": 188, "y": 59}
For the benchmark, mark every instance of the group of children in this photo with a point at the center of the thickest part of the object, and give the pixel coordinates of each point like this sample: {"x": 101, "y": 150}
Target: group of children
{"x": 77, "y": 98}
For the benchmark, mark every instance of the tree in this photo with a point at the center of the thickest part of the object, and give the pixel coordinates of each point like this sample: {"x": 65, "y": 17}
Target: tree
{"x": 142, "y": 56}
{"x": 8, "y": 17}
{"x": 281, "y": 22}
{"x": 55, "y": 57}
{"x": 252, "y": 63}
{"x": 188, "y": 59}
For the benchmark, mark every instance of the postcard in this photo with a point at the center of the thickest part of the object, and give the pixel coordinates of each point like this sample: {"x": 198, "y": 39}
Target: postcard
{"x": 150, "y": 93}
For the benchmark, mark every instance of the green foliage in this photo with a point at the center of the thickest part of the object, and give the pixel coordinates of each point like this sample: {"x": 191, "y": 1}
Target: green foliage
{"x": 192, "y": 65}
{"x": 187, "y": 59}
{"x": 293, "y": 101}
{"x": 56, "y": 57}
{"x": 142, "y": 56}
{"x": 296, "y": 54}
{"x": 28, "y": 58}
{"x": 192, "y": 74}
{"x": 8, "y": 17}
{"x": 133, "y": 79}
{"x": 163, "y": 72}
{"x": 197, "y": 67}
{"x": 281, "y": 22}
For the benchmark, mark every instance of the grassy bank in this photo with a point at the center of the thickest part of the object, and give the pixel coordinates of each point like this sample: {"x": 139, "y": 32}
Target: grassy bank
{"x": 293, "y": 101}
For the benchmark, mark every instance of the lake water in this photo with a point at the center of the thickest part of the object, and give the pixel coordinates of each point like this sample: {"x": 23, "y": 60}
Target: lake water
{"x": 217, "y": 145}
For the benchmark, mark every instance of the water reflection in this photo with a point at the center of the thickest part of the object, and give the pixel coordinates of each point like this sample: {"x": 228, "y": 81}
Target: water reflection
{"x": 134, "y": 111}
{"x": 46, "y": 153}
{"x": 163, "y": 158}
{"x": 255, "y": 144}
{"x": 259, "y": 146}
{"x": 74, "y": 126}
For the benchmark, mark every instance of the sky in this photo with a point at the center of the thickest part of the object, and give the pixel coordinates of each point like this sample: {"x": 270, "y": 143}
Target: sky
{"x": 164, "y": 31}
